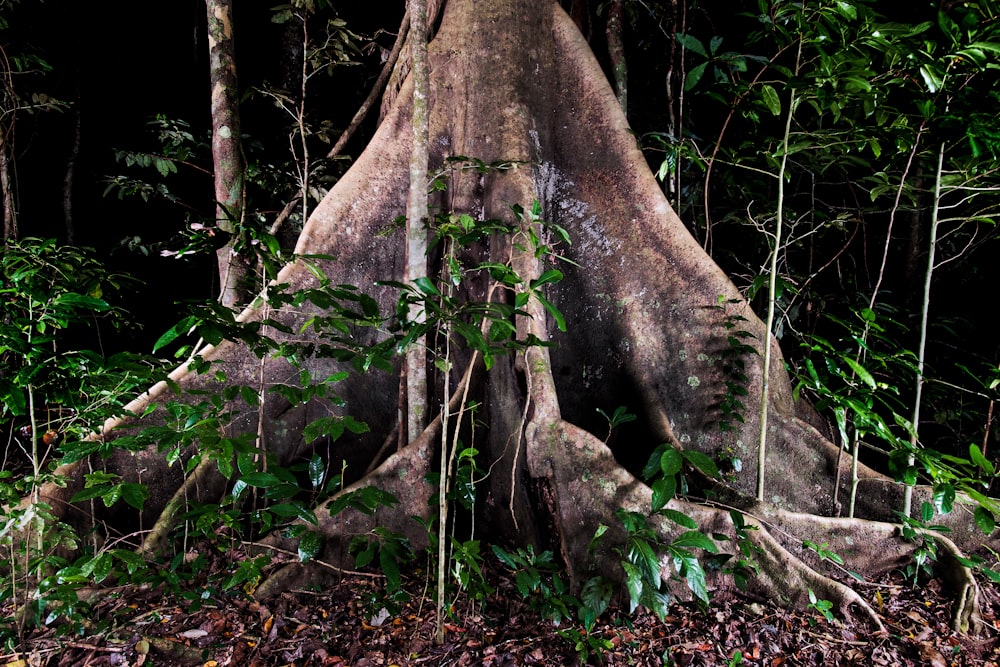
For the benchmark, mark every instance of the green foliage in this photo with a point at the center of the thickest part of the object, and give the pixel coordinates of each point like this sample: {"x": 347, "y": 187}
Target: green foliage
{"x": 537, "y": 579}
{"x": 919, "y": 531}
{"x": 823, "y": 607}
{"x": 390, "y": 550}
{"x": 620, "y": 416}
{"x": 641, "y": 560}
{"x": 54, "y": 394}
{"x": 733, "y": 358}
{"x": 741, "y": 567}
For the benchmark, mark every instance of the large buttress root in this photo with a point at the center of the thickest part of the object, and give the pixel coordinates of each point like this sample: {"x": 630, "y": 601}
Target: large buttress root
{"x": 514, "y": 81}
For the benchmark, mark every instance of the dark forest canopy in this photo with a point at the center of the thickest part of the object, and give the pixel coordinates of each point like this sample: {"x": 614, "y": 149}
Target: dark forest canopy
{"x": 808, "y": 266}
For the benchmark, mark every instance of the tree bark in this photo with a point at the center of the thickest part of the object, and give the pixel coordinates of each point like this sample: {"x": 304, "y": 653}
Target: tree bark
{"x": 7, "y": 186}
{"x": 416, "y": 216}
{"x": 227, "y": 153}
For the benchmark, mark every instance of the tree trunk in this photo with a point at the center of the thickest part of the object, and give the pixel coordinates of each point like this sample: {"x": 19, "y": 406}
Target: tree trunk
{"x": 227, "y": 154}
{"x": 515, "y": 81}
{"x": 7, "y": 184}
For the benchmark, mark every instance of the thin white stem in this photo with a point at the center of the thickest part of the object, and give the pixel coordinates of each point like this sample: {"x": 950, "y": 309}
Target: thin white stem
{"x": 772, "y": 285}
{"x": 922, "y": 346}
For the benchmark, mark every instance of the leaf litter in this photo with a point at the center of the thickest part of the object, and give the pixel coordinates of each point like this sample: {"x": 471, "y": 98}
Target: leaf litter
{"x": 350, "y": 624}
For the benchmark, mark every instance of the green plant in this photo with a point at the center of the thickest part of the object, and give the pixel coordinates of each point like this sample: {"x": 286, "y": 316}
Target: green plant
{"x": 54, "y": 394}
{"x": 641, "y": 554}
{"x": 741, "y": 567}
{"x": 918, "y": 531}
{"x": 733, "y": 358}
{"x": 537, "y": 579}
{"x": 430, "y": 317}
{"x": 586, "y": 643}
{"x": 823, "y": 607}
{"x": 620, "y": 416}
{"x": 823, "y": 551}
{"x": 861, "y": 391}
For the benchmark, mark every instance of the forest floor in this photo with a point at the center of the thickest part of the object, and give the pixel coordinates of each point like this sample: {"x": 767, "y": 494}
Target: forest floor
{"x": 347, "y": 625}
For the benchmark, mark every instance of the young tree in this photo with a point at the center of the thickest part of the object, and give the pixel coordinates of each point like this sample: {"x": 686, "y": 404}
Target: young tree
{"x": 514, "y": 82}
{"x": 227, "y": 152}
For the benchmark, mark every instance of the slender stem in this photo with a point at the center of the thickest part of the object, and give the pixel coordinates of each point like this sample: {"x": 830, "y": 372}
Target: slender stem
{"x": 443, "y": 491}
{"x": 301, "y": 119}
{"x": 922, "y": 346}
{"x": 772, "y": 285}
{"x": 855, "y": 450}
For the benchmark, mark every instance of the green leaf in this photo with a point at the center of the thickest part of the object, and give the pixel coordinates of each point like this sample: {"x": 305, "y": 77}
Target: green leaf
{"x": 847, "y": 10}
{"x": 926, "y": 512}
{"x": 701, "y": 462}
{"x": 695, "y": 539}
{"x": 295, "y": 509}
{"x": 80, "y": 301}
{"x": 771, "y": 99}
{"x": 860, "y": 371}
{"x": 695, "y": 575}
{"x": 680, "y": 518}
{"x": 976, "y": 456}
{"x": 932, "y": 79}
{"x": 691, "y": 43}
{"x": 390, "y": 568}
{"x": 175, "y": 332}
{"x": 317, "y": 471}
{"x": 100, "y": 567}
{"x": 550, "y": 276}
{"x": 552, "y": 310}
{"x": 671, "y": 462}
{"x": 134, "y": 494}
{"x": 646, "y": 558}
{"x": 694, "y": 76}
{"x": 249, "y": 396}
{"x": 944, "y": 498}
{"x": 596, "y": 594}
{"x": 633, "y": 582}
{"x": 426, "y": 286}
{"x": 261, "y": 480}
{"x": 664, "y": 489}
{"x": 504, "y": 557}
{"x": 310, "y": 545}
{"x": 984, "y": 520}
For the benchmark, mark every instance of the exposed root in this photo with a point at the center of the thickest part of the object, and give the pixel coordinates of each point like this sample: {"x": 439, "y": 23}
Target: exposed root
{"x": 876, "y": 547}
{"x": 195, "y": 485}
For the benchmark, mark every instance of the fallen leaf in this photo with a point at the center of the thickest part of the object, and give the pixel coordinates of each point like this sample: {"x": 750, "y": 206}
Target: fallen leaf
{"x": 381, "y": 617}
{"x": 932, "y": 656}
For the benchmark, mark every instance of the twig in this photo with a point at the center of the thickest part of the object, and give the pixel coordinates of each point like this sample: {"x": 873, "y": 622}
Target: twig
{"x": 376, "y": 90}
{"x": 321, "y": 563}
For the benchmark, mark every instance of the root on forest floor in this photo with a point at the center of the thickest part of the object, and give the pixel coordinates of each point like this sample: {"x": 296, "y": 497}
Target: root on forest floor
{"x": 590, "y": 486}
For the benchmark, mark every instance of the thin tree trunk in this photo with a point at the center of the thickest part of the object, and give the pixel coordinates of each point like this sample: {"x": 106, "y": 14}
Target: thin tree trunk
{"x": 616, "y": 50}
{"x": 74, "y": 153}
{"x": 227, "y": 154}
{"x": 7, "y": 184}
{"x": 925, "y": 307}
{"x": 772, "y": 292}
{"x": 416, "y": 232}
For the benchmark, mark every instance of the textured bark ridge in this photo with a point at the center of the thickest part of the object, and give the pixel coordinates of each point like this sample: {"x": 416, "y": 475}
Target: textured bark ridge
{"x": 515, "y": 81}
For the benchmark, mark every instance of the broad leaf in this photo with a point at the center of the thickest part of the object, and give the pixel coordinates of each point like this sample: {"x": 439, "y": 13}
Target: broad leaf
{"x": 771, "y": 99}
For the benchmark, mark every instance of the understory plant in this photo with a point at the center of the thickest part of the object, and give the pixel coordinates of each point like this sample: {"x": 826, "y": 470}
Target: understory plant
{"x": 56, "y": 390}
